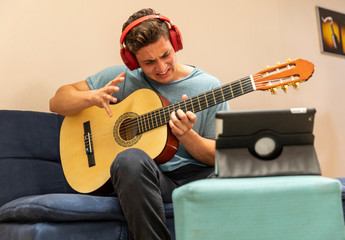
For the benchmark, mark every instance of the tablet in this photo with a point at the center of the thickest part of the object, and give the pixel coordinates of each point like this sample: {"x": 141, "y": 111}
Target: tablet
{"x": 266, "y": 143}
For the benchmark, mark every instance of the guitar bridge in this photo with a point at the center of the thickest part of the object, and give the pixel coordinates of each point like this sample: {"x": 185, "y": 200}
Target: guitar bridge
{"x": 88, "y": 144}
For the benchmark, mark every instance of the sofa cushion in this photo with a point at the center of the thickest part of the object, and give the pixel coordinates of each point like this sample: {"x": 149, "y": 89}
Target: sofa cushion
{"x": 20, "y": 177}
{"x": 102, "y": 230}
{"x": 61, "y": 208}
{"x": 65, "y": 208}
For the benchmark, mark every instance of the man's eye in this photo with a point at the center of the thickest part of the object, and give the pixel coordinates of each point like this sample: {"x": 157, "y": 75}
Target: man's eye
{"x": 166, "y": 55}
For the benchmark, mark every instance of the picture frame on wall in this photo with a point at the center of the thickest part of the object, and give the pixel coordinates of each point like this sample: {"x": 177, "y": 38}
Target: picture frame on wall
{"x": 332, "y": 31}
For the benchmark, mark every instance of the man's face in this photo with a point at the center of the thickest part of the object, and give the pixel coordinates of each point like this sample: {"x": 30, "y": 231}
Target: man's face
{"x": 158, "y": 61}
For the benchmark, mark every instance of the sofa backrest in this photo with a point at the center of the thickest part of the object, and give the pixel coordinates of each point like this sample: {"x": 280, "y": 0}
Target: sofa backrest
{"x": 29, "y": 134}
{"x": 29, "y": 154}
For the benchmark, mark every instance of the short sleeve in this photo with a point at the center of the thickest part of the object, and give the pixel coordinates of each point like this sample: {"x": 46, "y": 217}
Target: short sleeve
{"x": 101, "y": 78}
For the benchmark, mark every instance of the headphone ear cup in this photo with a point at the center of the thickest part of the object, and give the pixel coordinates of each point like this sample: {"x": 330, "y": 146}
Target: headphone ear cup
{"x": 129, "y": 59}
{"x": 176, "y": 38}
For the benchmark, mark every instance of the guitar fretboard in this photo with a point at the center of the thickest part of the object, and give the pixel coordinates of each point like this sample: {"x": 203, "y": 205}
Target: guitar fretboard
{"x": 195, "y": 104}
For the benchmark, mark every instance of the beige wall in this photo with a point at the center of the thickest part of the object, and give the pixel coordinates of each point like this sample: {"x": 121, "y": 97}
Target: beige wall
{"x": 47, "y": 43}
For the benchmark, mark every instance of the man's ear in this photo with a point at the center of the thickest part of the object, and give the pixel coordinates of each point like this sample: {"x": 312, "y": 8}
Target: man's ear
{"x": 129, "y": 59}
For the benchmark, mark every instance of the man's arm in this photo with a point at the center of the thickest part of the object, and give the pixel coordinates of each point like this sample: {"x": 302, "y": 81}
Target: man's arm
{"x": 72, "y": 98}
{"x": 202, "y": 149}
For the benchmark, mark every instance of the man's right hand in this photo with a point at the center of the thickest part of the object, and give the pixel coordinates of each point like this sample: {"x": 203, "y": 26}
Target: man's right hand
{"x": 103, "y": 96}
{"x": 72, "y": 98}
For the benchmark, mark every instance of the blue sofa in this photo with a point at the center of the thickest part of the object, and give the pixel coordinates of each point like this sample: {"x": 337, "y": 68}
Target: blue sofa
{"x": 36, "y": 202}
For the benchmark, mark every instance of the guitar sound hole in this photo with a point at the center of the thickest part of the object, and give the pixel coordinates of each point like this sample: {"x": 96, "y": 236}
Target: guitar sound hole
{"x": 128, "y": 129}
{"x": 125, "y": 130}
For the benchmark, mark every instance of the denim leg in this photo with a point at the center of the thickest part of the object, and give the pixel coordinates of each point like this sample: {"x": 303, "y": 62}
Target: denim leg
{"x": 136, "y": 179}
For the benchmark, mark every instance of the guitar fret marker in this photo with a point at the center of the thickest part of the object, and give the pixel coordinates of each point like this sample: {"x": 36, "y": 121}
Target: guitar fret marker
{"x": 241, "y": 86}
{"x": 165, "y": 119}
{"x": 199, "y": 103}
{"x": 156, "y": 118}
{"x": 221, "y": 90}
{"x": 142, "y": 127}
{"x": 160, "y": 117}
{"x": 206, "y": 99}
{"x": 191, "y": 101}
{"x": 232, "y": 93}
{"x": 215, "y": 102}
{"x": 145, "y": 122}
{"x": 153, "y": 124}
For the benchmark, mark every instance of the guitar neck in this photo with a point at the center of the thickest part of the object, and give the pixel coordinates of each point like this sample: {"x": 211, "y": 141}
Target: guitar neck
{"x": 195, "y": 104}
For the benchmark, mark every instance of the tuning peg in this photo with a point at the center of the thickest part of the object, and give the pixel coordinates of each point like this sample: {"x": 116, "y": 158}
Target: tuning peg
{"x": 278, "y": 63}
{"x": 285, "y": 88}
{"x": 267, "y": 67}
{"x": 273, "y": 91}
{"x": 296, "y": 85}
{"x": 288, "y": 60}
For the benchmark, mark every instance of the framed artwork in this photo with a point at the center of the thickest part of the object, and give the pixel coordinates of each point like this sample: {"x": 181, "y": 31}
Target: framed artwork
{"x": 332, "y": 31}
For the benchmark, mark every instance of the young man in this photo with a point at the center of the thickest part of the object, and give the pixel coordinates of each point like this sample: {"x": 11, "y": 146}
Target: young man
{"x": 150, "y": 43}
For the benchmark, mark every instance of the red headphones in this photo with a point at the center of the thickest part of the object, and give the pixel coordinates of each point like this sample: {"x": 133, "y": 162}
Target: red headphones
{"x": 129, "y": 59}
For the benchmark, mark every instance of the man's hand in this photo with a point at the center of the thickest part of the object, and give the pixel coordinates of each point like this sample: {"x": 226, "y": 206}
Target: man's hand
{"x": 202, "y": 149}
{"x": 181, "y": 122}
{"x": 103, "y": 96}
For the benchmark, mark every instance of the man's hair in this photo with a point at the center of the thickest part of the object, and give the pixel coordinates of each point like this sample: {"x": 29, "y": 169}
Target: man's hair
{"x": 147, "y": 32}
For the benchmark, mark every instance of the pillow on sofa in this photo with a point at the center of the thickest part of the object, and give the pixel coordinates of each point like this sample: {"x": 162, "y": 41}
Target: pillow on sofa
{"x": 61, "y": 208}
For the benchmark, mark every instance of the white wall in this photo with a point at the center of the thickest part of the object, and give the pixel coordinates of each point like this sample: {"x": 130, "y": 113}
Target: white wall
{"x": 47, "y": 43}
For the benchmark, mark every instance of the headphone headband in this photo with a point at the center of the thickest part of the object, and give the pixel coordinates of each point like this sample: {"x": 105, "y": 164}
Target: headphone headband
{"x": 137, "y": 22}
{"x": 129, "y": 59}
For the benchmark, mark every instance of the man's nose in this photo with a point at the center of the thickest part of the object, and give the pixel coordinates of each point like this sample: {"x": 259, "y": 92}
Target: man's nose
{"x": 161, "y": 66}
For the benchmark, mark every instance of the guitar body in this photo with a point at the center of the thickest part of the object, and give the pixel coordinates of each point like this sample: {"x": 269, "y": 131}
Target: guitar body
{"x": 107, "y": 142}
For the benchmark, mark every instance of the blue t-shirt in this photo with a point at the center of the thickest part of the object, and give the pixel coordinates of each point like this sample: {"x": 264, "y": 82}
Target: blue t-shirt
{"x": 195, "y": 83}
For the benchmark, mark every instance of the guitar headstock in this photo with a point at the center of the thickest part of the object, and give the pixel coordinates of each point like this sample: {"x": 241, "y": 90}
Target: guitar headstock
{"x": 292, "y": 72}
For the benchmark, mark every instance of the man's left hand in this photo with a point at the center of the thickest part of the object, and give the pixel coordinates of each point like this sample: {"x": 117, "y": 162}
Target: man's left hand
{"x": 181, "y": 122}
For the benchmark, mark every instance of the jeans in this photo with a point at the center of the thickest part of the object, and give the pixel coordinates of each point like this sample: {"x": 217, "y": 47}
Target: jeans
{"x": 142, "y": 189}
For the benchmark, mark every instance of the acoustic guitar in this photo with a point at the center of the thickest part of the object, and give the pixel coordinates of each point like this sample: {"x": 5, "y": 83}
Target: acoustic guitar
{"x": 90, "y": 140}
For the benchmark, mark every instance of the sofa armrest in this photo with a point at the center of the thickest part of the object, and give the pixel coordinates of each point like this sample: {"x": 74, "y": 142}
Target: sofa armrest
{"x": 29, "y": 154}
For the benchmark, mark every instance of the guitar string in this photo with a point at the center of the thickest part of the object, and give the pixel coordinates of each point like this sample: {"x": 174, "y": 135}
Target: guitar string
{"x": 146, "y": 116}
{"x": 130, "y": 124}
{"x": 188, "y": 105}
{"x": 208, "y": 94}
